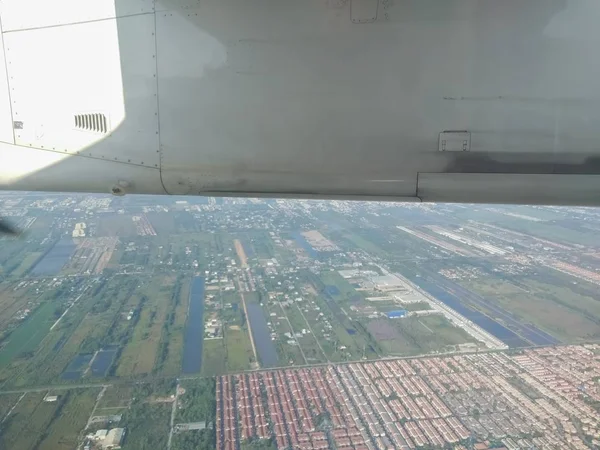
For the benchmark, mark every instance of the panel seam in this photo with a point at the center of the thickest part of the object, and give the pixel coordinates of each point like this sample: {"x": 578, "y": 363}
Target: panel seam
{"x": 160, "y": 152}
{"x": 417, "y": 188}
{"x": 82, "y": 155}
{"x": 79, "y": 22}
{"x": 12, "y": 117}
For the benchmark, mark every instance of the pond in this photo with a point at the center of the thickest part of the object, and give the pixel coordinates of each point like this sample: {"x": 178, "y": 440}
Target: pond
{"x": 261, "y": 335}
{"x": 194, "y": 330}
{"x": 55, "y": 259}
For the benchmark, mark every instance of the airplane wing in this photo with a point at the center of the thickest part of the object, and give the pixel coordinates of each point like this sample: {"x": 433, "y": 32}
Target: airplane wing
{"x": 430, "y": 100}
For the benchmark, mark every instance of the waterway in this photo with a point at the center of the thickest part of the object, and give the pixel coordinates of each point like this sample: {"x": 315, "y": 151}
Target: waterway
{"x": 55, "y": 259}
{"x": 507, "y": 336}
{"x": 528, "y": 331}
{"x": 194, "y": 330}
{"x": 265, "y": 348}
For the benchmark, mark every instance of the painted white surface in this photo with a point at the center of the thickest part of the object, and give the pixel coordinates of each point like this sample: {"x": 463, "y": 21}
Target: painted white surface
{"x": 6, "y": 122}
{"x": 290, "y": 97}
{"x": 30, "y": 169}
{"x": 99, "y": 67}
{"x": 27, "y": 14}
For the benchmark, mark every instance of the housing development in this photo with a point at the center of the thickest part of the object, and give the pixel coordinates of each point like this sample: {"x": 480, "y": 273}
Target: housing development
{"x": 527, "y": 400}
{"x": 202, "y": 323}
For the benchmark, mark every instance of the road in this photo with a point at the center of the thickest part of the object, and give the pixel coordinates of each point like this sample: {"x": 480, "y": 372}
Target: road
{"x": 173, "y": 412}
{"x": 67, "y": 310}
{"x": 100, "y": 395}
{"x": 63, "y": 387}
{"x": 56, "y": 387}
{"x": 249, "y": 325}
{"x": 13, "y": 407}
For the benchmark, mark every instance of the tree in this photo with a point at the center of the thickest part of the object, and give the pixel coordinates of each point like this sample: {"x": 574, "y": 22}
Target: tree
{"x": 58, "y": 311}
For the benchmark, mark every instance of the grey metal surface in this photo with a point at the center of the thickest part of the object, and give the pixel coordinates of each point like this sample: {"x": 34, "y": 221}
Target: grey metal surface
{"x": 296, "y": 98}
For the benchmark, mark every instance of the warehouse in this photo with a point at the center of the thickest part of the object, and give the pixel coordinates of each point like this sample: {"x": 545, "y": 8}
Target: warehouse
{"x": 396, "y": 314}
{"x": 113, "y": 438}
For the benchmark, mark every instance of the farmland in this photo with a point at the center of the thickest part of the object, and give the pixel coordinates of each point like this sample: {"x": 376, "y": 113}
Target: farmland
{"x": 130, "y": 320}
{"x": 140, "y": 353}
{"x": 556, "y": 309}
{"x": 36, "y": 423}
{"x": 161, "y": 293}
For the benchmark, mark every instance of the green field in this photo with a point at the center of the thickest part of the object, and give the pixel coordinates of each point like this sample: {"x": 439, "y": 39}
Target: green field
{"x": 239, "y": 349}
{"x": 64, "y": 431}
{"x": 171, "y": 345}
{"x": 233, "y": 351}
{"x": 558, "y": 310}
{"x": 150, "y": 342}
{"x": 10, "y": 303}
{"x": 98, "y": 319}
{"x": 351, "y": 240}
{"x": 347, "y": 338}
{"x": 36, "y": 424}
{"x": 7, "y": 401}
{"x": 565, "y": 295}
{"x": 257, "y": 245}
{"x": 26, "y": 264}
{"x": 140, "y": 352}
{"x": 146, "y": 410}
{"x": 550, "y": 231}
{"x": 115, "y": 396}
{"x": 346, "y": 292}
{"x": 23, "y": 429}
{"x": 427, "y": 334}
{"x": 213, "y": 360}
{"x": 311, "y": 352}
{"x": 28, "y": 336}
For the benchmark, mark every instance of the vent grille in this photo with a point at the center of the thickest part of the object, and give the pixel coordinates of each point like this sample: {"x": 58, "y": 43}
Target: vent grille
{"x": 91, "y": 122}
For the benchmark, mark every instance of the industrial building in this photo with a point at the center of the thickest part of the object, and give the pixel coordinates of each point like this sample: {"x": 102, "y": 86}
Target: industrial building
{"x": 397, "y": 314}
{"x": 113, "y": 439}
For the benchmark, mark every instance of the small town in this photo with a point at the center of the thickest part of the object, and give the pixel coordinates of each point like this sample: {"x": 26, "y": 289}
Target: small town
{"x": 527, "y": 400}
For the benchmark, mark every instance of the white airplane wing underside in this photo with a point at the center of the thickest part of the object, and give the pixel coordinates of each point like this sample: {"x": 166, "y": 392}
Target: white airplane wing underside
{"x": 432, "y": 100}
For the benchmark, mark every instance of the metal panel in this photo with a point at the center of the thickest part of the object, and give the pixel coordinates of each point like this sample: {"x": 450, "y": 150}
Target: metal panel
{"x": 6, "y": 121}
{"x": 170, "y": 5}
{"x": 292, "y": 97}
{"x": 363, "y": 11}
{"x": 24, "y": 168}
{"x": 106, "y": 67}
{"x": 240, "y": 112}
{"x": 552, "y": 189}
{"x": 26, "y": 14}
{"x": 454, "y": 141}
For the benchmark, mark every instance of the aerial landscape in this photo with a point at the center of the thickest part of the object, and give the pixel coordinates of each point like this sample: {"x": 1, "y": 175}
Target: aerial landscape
{"x": 146, "y": 322}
